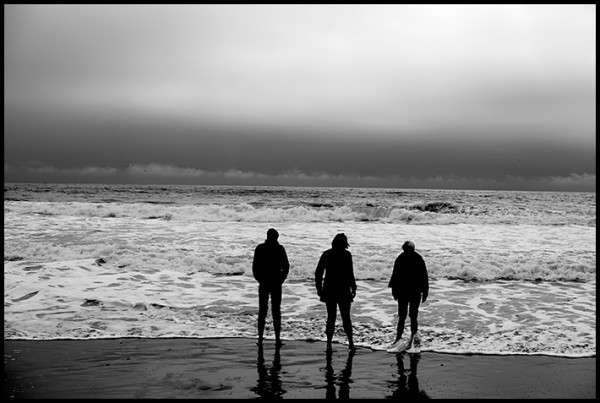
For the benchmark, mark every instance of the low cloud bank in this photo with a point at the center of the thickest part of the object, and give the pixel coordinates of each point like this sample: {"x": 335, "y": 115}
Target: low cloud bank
{"x": 172, "y": 174}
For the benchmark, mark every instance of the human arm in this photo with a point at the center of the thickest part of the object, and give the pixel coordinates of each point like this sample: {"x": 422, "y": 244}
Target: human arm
{"x": 320, "y": 270}
{"x": 425, "y": 285}
{"x": 285, "y": 268}
{"x": 256, "y": 264}
{"x": 393, "y": 284}
{"x": 352, "y": 278}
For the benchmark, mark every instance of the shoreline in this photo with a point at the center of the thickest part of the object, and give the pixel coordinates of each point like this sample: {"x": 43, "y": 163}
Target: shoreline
{"x": 236, "y": 368}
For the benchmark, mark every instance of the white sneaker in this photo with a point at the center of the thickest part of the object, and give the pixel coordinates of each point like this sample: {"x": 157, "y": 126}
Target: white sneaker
{"x": 395, "y": 344}
{"x": 417, "y": 341}
{"x": 398, "y": 347}
{"x": 415, "y": 345}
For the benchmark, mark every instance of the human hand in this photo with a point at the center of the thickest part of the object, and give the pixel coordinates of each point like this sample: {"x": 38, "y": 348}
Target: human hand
{"x": 321, "y": 295}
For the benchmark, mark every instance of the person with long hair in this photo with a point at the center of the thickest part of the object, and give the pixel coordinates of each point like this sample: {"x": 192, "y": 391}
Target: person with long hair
{"x": 338, "y": 286}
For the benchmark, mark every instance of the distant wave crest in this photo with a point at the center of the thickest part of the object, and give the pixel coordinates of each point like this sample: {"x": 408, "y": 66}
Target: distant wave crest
{"x": 439, "y": 213}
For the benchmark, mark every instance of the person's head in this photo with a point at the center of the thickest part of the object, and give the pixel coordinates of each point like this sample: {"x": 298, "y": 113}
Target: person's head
{"x": 272, "y": 234}
{"x": 408, "y": 246}
{"x": 340, "y": 241}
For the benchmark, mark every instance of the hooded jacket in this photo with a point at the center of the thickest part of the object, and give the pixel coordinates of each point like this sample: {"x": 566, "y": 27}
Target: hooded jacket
{"x": 409, "y": 277}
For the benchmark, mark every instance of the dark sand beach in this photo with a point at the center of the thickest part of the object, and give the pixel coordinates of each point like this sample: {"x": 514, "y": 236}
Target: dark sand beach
{"x": 236, "y": 368}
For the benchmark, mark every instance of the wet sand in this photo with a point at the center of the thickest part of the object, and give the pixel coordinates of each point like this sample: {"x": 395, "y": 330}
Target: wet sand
{"x": 236, "y": 368}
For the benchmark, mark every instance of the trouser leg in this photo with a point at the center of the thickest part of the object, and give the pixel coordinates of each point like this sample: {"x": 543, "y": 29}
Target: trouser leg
{"x": 276, "y": 294}
{"x": 263, "y": 306}
{"x": 402, "y": 311}
{"x": 413, "y": 313}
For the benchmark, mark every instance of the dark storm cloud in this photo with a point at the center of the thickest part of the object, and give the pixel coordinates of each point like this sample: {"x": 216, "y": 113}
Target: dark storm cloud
{"x": 104, "y": 142}
{"x": 335, "y": 92}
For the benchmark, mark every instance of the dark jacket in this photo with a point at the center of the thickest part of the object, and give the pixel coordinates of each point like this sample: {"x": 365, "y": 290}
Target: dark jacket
{"x": 409, "y": 277}
{"x": 270, "y": 265}
{"x": 339, "y": 281}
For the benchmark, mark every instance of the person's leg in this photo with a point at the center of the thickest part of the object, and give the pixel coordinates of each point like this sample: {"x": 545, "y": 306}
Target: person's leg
{"x": 402, "y": 311}
{"x": 347, "y": 321}
{"x": 413, "y": 313}
{"x": 263, "y": 306}
{"x": 276, "y": 294}
{"x": 331, "y": 314}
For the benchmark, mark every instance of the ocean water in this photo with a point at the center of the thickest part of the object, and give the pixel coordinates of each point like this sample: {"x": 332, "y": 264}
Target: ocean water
{"x": 510, "y": 272}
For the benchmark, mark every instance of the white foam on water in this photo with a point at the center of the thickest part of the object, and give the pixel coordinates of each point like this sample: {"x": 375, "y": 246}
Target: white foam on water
{"x": 511, "y": 272}
{"x": 470, "y": 252}
{"x": 81, "y": 299}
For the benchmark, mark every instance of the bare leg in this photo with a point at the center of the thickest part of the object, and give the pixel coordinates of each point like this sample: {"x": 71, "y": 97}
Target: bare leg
{"x": 347, "y": 321}
{"x": 331, "y": 314}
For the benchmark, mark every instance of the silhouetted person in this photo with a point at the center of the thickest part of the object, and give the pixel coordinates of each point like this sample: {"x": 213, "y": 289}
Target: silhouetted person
{"x": 345, "y": 377}
{"x": 268, "y": 384}
{"x": 270, "y": 268}
{"x": 339, "y": 286}
{"x": 408, "y": 388}
{"x": 410, "y": 287}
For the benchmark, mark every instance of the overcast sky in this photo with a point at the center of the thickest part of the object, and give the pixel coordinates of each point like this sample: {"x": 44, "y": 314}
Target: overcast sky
{"x": 413, "y": 96}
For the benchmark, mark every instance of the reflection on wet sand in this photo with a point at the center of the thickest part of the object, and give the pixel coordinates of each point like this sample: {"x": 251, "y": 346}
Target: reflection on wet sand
{"x": 268, "y": 384}
{"x": 407, "y": 387}
{"x": 342, "y": 380}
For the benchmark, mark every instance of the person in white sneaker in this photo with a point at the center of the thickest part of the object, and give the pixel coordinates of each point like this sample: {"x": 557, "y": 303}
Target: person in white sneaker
{"x": 410, "y": 287}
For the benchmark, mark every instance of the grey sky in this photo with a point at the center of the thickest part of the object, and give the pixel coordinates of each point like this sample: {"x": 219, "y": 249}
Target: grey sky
{"x": 489, "y": 96}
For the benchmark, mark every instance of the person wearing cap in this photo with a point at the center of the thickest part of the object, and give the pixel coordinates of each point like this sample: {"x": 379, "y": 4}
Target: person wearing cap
{"x": 270, "y": 268}
{"x": 338, "y": 288}
{"x": 410, "y": 287}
